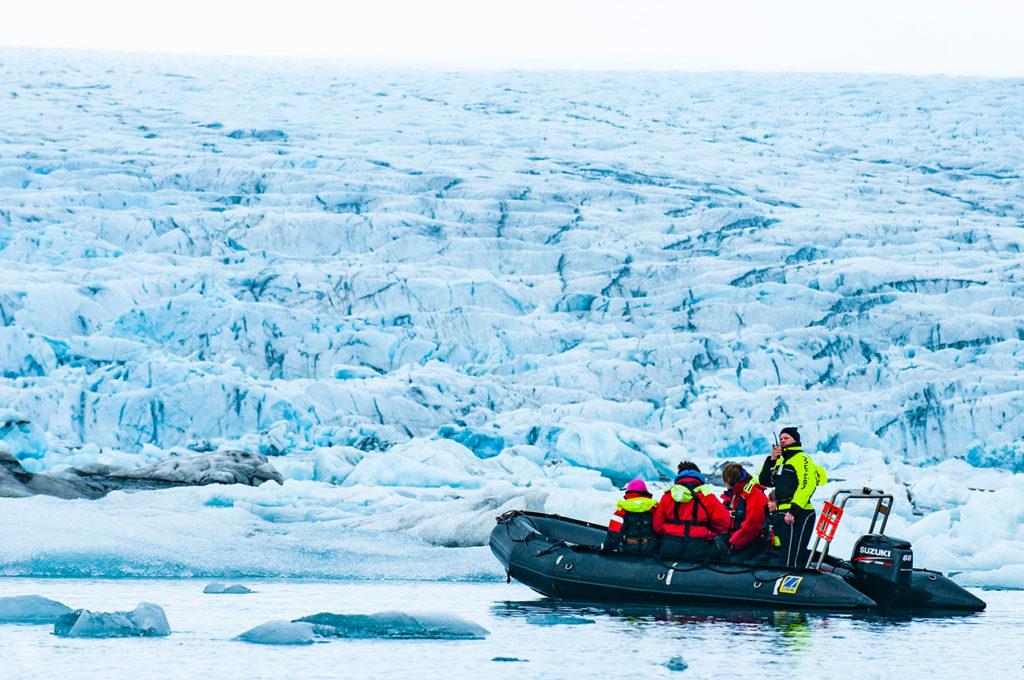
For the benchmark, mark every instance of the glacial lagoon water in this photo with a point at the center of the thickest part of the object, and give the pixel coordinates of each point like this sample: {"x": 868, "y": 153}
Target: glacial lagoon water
{"x": 530, "y": 636}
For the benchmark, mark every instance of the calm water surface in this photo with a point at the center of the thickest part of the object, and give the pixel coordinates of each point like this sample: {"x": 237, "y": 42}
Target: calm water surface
{"x": 551, "y": 640}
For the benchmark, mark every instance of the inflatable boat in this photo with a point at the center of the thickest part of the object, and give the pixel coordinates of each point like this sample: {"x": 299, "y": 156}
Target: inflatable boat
{"x": 561, "y": 558}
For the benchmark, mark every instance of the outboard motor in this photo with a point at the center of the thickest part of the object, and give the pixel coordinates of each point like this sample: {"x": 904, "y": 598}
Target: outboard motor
{"x": 883, "y": 567}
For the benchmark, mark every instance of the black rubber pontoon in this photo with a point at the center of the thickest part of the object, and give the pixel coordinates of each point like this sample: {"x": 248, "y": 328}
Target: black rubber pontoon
{"x": 559, "y": 558}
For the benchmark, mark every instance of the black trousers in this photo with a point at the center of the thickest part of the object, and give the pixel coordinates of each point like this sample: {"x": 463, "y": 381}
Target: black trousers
{"x": 793, "y": 551}
{"x": 754, "y": 553}
{"x": 682, "y": 548}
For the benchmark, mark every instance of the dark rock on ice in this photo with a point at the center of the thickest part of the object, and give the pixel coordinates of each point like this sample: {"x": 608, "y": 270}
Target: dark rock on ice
{"x": 17, "y": 482}
{"x": 31, "y": 609}
{"x": 97, "y": 480}
{"x": 226, "y": 467}
{"x": 146, "y": 620}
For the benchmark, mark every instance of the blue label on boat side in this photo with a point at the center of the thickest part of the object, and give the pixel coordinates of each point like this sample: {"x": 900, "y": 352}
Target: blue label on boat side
{"x": 788, "y": 585}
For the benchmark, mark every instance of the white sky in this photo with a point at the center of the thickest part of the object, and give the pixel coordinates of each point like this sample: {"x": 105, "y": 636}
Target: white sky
{"x": 979, "y": 37}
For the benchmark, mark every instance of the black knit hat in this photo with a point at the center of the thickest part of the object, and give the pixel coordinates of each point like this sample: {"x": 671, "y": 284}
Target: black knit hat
{"x": 792, "y": 432}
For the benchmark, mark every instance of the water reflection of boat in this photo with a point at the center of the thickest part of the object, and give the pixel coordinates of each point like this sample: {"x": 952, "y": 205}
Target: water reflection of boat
{"x": 559, "y": 557}
{"x": 645, "y": 613}
{"x": 739, "y": 616}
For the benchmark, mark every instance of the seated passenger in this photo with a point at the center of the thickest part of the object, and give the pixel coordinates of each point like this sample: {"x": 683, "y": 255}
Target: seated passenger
{"x": 772, "y": 541}
{"x": 747, "y": 503}
{"x": 689, "y": 517}
{"x": 631, "y": 529}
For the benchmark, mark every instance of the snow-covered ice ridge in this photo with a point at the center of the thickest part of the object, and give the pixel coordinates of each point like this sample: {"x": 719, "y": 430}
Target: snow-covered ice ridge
{"x": 447, "y": 281}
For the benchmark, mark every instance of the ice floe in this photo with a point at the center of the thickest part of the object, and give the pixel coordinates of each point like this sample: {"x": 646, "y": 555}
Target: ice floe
{"x": 382, "y": 625}
{"x": 30, "y": 609}
{"x": 280, "y": 633}
{"x": 146, "y": 620}
{"x": 225, "y": 589}
{"x": 395, "y": 625}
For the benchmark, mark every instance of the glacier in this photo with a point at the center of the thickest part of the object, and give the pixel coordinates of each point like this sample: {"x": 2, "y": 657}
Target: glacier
{"x": 430, "y": 297}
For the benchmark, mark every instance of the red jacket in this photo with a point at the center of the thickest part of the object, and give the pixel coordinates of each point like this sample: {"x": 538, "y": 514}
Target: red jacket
{"x": 749, "y": 506}
{"x": 694, "y": 506}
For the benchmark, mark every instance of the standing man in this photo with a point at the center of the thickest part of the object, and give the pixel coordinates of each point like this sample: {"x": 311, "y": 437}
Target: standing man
{"x": 795, "y": 477}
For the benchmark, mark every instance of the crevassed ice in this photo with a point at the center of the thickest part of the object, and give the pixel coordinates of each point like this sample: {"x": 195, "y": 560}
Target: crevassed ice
{"x": 443, "y": 291}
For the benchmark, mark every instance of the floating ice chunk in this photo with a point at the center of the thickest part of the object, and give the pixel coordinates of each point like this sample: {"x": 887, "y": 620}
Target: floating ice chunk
{"x": 30, "y": 609}
{"x": 676, "y": 663}
{"x": 280, "y": 633}
{"x": 146, "y": 620}
{"x": 556, "y": 620}
{"x": 224, "y": 589}
{"x": 396, "y": 625}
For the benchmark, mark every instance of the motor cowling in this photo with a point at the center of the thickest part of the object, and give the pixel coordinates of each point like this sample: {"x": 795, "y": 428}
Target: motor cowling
{"x": 883, "y": 564}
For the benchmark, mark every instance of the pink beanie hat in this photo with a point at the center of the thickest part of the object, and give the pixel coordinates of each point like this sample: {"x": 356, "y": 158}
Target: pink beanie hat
{"x": 637, "y": 485}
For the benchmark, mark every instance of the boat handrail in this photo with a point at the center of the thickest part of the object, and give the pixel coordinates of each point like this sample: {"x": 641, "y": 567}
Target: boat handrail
{"x": 883, "y": 506}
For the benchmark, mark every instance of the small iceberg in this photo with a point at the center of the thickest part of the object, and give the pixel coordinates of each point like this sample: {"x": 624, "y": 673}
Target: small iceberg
{"x": 31, "y": 609}
{"x": 280, "y": 633}
{"x": 395, "y": 625}
{"x": 676, "y": 663}
{"x": 146, "y": 620}
{"x": 224, "y": 589}
{"x": 382, "y": 625}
